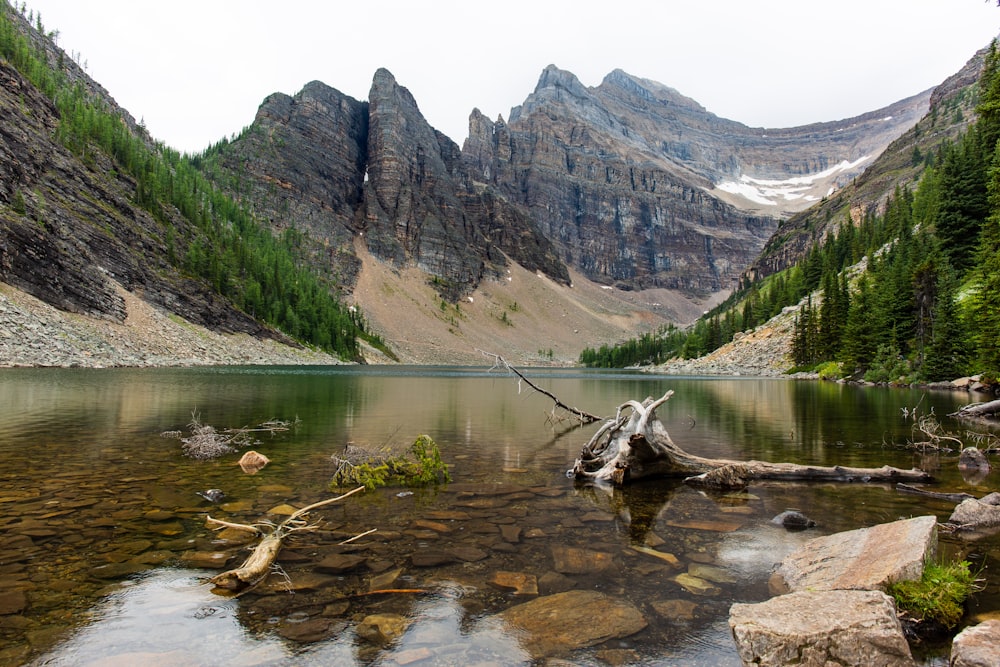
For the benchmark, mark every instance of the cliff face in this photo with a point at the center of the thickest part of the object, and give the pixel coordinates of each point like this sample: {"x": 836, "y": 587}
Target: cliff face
{"x": 69, "y": 233}
{"x": 377, "y": 172}
{"x": 302, "y": 164}
{"x": 640, "y": 187}
{"x": 631, "y": 183}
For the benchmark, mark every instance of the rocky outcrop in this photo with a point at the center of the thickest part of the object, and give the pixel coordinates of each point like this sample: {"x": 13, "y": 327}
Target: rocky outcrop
{"x": 339, "y": 169}
{"x": 412, "y": 211}
{"x": 976, "y": 517}
{"x": 814, "y": 629}
{"x": 830, "y": 606}
{"x": 302, "y": 164}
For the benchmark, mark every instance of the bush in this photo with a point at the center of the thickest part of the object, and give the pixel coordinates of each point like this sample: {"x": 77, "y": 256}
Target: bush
{"x": 939, "y": 595}
{"x": 358, "y": 466}
{"x": 829, "y": 371}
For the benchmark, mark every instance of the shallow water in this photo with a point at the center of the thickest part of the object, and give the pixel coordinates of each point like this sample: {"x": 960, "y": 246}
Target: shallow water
{"x": 105, "y": 550}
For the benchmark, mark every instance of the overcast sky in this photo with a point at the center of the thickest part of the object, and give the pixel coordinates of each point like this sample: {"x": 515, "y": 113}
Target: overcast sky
{"x": 196, "y": 70}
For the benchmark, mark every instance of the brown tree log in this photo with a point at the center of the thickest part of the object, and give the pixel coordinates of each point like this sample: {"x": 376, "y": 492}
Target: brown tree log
{"x": 635, "y": 445}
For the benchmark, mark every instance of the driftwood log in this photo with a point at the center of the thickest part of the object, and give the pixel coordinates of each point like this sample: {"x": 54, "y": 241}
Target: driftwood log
{"x": 258, "y": 565}
{"x": 979, "y": 411}
{"x": 635, "y": 445}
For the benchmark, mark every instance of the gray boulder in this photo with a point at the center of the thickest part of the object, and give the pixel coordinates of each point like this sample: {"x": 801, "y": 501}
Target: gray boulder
{"x": 819, "y": 628}
{"x": 863, "y": 559}
{"x": 977, "y": 646}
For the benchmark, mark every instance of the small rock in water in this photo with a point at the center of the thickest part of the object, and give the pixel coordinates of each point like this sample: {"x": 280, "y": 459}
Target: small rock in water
{"x": 212, "y": 495}
{"x": 793, "y": 520}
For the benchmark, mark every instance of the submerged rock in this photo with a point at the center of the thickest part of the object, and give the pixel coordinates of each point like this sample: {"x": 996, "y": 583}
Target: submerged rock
{"x": 696, "y": 585}
{"x": 382, "y": 628}
{"x": 977, "y": 646}
{"x": 573, "y": 560}
{"x": 575, "y": 619}
{"x": 793, "y": 520}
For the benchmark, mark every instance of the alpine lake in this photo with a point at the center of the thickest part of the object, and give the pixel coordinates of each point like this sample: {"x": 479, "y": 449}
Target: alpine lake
{"x": 105, "y": 548}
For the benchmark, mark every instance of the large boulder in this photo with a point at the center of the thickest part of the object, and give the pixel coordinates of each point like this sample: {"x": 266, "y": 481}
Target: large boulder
{"x": 977, "y": 646}
{"x": 821, "y": 628}
{"x": 863, "y": 559}
{"x": 977, "y": 516}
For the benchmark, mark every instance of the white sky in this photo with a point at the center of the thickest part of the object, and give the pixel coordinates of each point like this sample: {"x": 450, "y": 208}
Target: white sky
{"x": 196, "y": 70}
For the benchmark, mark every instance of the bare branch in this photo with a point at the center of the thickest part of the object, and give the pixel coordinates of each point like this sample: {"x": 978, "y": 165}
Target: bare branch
{"x": 501, "y": 363}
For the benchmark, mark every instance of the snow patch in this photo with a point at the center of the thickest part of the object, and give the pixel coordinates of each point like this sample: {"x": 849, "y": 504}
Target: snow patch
{"x": 770, "y": 192}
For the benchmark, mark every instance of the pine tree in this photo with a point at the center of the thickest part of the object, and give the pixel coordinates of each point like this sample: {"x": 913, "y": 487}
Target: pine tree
{"x": 860, "y": 339}
{"x": 986, "y": 308}
{"x": 945, "y": 357}
{"x": 964, "y": 200}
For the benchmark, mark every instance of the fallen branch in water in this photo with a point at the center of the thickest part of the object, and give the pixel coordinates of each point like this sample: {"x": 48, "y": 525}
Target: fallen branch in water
{"x": 258, "y": 565}
{"x": 207, "y": 442}
{"x": 500, "y": 362}
{"x": 950, "y": 497}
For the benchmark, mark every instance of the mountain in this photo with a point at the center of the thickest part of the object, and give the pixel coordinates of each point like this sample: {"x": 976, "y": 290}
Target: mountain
{"x": 71, "y": 233}
{"x": 629, "y": 185}
{"x": 343, "y": 170}
{"x": 952, "y": 108}
{"x": 642, "y": 187}
{"x": 591, "y": 215}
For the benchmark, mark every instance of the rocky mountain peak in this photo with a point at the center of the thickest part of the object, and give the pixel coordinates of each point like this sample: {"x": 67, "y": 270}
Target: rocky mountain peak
{"x": 645, "y": 92}
{"x": 553, "y": 77}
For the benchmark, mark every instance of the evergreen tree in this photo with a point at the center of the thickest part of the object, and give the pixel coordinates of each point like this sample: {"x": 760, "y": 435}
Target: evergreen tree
{"x": 945, "y": 357}
{"x": 861, "y": 331}
{"x": 988, "y": 108}
{"x": 832, "y": 316}
{"x": 986, "y": 305}
{"x": 964, "y": 201}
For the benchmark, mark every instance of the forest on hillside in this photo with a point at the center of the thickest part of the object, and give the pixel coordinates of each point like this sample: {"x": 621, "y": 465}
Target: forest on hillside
{"x": 908, "y": 294}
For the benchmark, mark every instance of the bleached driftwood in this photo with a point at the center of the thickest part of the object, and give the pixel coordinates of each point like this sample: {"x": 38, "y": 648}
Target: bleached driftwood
{"x": 258, "y": 565}
{"x": 635, "y": 445}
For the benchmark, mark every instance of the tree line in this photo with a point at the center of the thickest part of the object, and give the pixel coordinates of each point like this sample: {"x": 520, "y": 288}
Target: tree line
{"x": 221, "y": 243}
{"x": 910, "y": 293}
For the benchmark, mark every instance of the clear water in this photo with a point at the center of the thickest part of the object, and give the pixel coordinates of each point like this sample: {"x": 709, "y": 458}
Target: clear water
{"x": 103, "y": 536}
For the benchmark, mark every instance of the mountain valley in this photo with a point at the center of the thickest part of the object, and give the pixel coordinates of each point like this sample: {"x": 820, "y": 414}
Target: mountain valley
{"x": 591, "y": 215}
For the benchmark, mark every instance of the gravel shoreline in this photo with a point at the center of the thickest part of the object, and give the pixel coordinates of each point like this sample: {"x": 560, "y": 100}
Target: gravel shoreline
{"x": 762, "y": 352}
{"x": 33, "y": 333}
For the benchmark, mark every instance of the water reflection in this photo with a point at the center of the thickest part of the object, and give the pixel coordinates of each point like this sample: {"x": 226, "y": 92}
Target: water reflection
{"x": 150, "y": 613}
{"x": 102, "y": 524}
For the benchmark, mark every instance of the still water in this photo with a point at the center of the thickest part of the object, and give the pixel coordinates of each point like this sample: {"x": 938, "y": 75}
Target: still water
{"x": 104, "y": 549}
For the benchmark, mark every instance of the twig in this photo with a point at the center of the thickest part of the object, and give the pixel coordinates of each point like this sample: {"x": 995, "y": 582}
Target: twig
{"x": 357, "y": 537}
{"x": 228, "y": 524}
{"x": 391, "y": 591}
